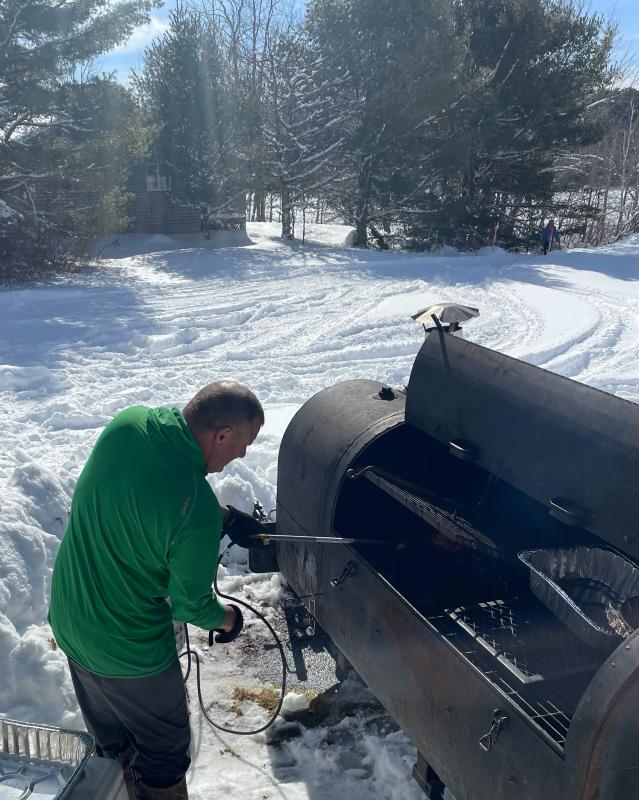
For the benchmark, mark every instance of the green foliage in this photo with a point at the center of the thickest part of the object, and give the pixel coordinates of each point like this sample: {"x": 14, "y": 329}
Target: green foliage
{"x": 461, "y": 108}
{"x": 66, "y": 142}
{"x": 185, "y": 87}
{"x": 399, "y": 62}
{"x": 531, "y": 68}
{"x": 425, "y": 120}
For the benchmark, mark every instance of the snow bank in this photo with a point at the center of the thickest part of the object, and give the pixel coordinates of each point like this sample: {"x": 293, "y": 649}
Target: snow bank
{"x": 125, "y": 245}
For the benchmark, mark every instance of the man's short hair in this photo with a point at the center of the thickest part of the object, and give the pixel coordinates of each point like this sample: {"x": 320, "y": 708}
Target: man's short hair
{"x": 222, "y": 404}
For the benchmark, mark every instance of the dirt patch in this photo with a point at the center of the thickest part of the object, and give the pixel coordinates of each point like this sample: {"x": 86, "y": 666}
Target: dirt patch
{"x": 266, "y": 698}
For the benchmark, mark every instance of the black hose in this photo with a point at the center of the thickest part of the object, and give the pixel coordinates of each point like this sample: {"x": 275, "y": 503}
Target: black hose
{"x": 192, "y": 654}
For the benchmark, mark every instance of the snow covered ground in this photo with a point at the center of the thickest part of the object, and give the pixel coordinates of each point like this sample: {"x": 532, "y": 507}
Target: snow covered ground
{"x": 162, "y": 316}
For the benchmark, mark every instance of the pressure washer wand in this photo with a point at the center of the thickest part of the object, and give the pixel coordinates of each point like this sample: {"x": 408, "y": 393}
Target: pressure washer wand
{"x": 265, "y": 538}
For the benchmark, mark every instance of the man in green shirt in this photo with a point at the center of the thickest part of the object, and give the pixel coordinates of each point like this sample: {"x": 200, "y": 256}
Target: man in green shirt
{"x": 145, "y": 526}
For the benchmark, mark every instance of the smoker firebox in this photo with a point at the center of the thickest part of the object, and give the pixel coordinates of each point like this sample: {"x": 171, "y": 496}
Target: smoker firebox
{"x": 480, "y": 458}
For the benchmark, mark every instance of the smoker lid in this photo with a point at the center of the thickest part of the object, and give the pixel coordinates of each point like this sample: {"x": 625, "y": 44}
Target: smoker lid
{"x": 567, "y": 445}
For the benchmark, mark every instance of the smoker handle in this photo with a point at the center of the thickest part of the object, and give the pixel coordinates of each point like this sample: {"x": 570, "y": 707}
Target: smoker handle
{"x": 463, "y": 450}
{"x": 567, "y": 512}
{"x": 349, "y": 570}
{"x": 489, "y": 740}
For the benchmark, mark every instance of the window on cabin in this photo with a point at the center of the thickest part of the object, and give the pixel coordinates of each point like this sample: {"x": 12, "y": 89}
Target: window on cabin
{"x": 157, "y": 178}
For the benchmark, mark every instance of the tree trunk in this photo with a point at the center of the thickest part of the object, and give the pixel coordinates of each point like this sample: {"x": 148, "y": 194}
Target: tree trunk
{"x": 259, "y": 206}
{"x": 286, "y": 209}
{"x": 361, "y": 215}
{"x": 361, "y": 232}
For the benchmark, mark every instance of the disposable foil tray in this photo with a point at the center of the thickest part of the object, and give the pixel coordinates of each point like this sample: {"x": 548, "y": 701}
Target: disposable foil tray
{"x": 584, "y": 587}
{"x": 41, "y": 762}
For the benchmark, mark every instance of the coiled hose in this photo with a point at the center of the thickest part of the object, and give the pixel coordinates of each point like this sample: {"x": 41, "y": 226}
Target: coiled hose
{"x": 191, "y": 654}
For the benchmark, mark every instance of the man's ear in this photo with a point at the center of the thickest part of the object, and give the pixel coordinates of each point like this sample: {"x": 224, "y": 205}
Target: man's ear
{"x": 221, "y": 435}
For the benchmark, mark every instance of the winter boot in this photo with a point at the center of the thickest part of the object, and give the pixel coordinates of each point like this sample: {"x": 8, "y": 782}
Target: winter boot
{"x": 176, "y": 792}
{"x": 125, "y": 757}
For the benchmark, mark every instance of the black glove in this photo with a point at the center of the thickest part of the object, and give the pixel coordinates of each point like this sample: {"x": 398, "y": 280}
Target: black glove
{"x": 223, "y": 637}
{"x": 241, "y": 527}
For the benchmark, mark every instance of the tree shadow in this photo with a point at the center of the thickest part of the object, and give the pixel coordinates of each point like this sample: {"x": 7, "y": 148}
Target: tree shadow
{"x": 49, "y": 326}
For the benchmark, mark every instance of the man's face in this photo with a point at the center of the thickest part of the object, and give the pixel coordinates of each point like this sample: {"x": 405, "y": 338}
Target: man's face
{"x": 227, "y": 444}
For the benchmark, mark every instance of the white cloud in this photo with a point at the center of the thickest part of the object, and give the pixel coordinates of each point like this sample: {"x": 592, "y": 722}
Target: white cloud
{"x": 142, "y": 37}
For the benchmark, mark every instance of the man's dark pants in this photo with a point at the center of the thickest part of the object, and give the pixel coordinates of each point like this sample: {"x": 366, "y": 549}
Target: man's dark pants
{"x": 149, "y": 713}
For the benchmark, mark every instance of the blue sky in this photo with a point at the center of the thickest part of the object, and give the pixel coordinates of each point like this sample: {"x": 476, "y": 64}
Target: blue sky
{"x": 128, "y": 55}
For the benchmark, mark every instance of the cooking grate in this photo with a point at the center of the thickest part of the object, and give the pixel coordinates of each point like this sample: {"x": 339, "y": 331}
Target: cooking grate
{"x": 525, "y": 639}
{"x": 521, "y": 649}
{"x": 445, "y": 516}
{"x": 551, "y": 719}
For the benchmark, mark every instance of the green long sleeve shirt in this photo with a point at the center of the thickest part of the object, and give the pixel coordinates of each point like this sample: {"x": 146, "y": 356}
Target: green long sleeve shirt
{"x": 144, "y": 525}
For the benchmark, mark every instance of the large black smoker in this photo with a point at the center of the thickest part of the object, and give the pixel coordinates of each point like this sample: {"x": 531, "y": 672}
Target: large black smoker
{"x": 487, "y": 619}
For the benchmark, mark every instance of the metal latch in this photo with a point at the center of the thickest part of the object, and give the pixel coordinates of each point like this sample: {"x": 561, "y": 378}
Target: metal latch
{"x": 349, "y": 570}
{"x": 488, "y": 740}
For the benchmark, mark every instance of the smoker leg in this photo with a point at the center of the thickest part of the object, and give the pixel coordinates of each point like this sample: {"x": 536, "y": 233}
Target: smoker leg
{"x": 342, "y": 666}
{"x": 428, "y": 779}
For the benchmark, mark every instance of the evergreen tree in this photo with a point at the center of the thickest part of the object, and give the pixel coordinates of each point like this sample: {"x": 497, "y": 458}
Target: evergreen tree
{"x": 184, "y": 86}
{"x": 46, "y": 110}
{"x": 399, "y": 61}
{"x": 531, "y": 69}
{"x": 303, "y": 124}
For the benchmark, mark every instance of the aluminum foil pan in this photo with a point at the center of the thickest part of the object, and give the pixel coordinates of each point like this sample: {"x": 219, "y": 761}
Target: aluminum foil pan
{"x": 584, "y": 587}
{"x": 40, "y": 761}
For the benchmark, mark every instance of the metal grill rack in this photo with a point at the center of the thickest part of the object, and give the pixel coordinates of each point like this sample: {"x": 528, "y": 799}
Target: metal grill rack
{"x": 444, "y": 516}
{"x": 550, "y": 719}
{"x": 525, "y": 639}
{"x": 525, "y": 653}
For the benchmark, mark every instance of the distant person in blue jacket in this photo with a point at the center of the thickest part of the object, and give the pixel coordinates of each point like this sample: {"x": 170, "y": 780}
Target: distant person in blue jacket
{"x": 549, "y": 236}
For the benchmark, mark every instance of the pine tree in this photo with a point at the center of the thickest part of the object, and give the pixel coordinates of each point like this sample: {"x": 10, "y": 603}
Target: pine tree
{"x": 531, "y": 69}
{"x": 303, "y": 124}
{"x": 43, "y": 45}
{"x": 185, "y": 88}
{"x": 399, "y": 62}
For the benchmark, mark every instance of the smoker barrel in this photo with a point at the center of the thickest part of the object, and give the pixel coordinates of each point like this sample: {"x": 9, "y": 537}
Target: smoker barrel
{"x": 481, "y": 458}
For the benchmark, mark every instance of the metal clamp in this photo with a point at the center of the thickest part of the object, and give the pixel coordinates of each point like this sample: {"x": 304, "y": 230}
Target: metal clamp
{"x": 488, "y": 740}
{"x": 349, "y": 570}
